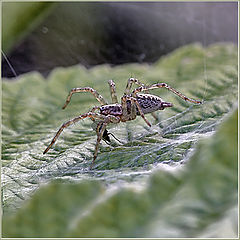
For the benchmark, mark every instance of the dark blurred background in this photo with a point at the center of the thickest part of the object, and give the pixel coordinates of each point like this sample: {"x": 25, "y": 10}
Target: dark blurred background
{"x": 91, "y": 33}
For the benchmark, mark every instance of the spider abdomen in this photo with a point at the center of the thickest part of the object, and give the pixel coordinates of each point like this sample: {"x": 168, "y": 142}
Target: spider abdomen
{"x": 150, "y": 103}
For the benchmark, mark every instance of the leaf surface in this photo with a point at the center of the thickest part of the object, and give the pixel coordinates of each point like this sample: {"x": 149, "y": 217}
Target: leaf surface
{"x": 32, "y": 114}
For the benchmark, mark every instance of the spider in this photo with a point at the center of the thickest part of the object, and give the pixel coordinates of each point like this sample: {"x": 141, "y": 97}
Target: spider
{"x": 132, "y": 104}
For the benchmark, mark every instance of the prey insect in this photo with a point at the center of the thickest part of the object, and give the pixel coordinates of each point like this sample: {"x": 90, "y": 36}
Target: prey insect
{"x": 137, "y": 102}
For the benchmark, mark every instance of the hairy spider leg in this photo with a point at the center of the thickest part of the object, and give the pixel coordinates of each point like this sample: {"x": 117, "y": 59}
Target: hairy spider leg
{"x": 93, "y": 110}
{"x": 101, "y": 127}
{"x": 133, "y": 111}
{"x": 100, "y": 132}
{"x": 85, "y": 89}
{"x": 126, "y": 116}
{"x": 135, "y": 103}
{"x": 72, "y": 121}
{"x": 113, "y": 91}
{"x": 133, "y": 114}
{"x": 137, "y": 82}
{"x": 164, "y": 85}
{"x": 130, "y": 83}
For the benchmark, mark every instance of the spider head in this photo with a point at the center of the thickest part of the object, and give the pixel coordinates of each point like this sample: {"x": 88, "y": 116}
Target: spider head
{"x": 165, "y": 105}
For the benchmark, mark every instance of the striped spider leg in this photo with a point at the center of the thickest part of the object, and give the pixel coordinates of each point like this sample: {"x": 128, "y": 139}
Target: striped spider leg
{"x": 113, "y": 91}
{"x": 104, "y": 121}
{"x": 98, "y": 97}
{"x": 137, "y": 82}
{"x": 164, "y": 85}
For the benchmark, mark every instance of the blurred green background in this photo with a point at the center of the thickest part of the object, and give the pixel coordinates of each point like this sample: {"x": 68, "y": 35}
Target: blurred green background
{"x": 177, "y": 179}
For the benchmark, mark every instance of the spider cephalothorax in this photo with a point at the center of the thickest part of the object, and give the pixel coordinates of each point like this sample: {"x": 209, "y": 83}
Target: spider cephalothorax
{"x": 132, "y": 104}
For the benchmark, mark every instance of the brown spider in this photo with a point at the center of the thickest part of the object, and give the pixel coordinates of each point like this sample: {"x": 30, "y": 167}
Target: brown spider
{"x": 132, "y": 104}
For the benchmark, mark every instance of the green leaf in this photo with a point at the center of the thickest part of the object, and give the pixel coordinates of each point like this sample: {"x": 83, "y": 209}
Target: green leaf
{"x": 19, "y": 18}
{"x": 173, "y": 204}
{"x": 179, "y": 200}
{"x": 68, "y": 199}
